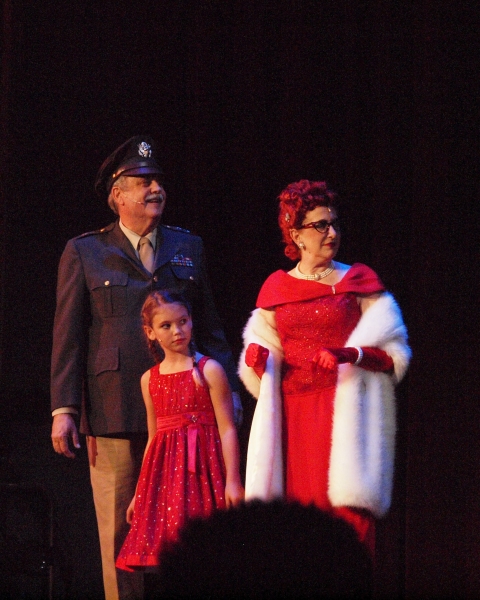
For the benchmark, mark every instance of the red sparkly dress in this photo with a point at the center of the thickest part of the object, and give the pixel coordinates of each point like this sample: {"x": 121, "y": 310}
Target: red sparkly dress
{"x": 183, "y": 472}
{"x": 311, "y": 315}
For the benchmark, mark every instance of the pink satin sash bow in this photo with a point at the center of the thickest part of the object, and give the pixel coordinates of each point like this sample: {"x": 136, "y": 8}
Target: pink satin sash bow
{"x": 192, "y": 420}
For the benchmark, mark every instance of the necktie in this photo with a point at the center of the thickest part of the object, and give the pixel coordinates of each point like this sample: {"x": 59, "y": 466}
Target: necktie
{"x": 145, "y": 251}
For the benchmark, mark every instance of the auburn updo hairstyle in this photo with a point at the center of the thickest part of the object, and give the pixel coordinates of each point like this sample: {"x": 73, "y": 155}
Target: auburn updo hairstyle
{"x": 295, "y": 201}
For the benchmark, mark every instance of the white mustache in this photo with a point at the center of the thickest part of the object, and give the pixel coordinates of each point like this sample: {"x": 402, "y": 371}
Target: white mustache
{"x": 154, "y": 199}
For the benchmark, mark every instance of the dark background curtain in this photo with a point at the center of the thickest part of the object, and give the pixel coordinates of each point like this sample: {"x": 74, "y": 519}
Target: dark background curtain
{"x": 379, "y": 98}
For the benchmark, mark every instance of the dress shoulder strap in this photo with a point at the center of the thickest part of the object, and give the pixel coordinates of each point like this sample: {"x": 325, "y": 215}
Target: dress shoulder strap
{"x": 201, "y": 363}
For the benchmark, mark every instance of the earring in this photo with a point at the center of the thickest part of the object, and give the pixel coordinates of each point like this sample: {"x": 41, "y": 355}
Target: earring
{"x": 301, "y": 245}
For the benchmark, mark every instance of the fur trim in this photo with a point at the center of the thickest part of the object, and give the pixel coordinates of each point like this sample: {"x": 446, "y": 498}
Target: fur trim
{"x": 364, "y": 420}
{"x": 264, "y": 475}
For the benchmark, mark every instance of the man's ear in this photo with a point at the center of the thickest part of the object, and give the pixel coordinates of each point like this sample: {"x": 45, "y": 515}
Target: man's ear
{"x": 116, "y": 194}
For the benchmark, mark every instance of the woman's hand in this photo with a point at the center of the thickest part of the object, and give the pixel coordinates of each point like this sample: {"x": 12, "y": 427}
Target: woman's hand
{"x": 370, "y": 359}
{"x": 130, "y": 510}
{"x": 330, "y": 358}
{"x": 256, "y": 357}
{"x": 325, "y": 359}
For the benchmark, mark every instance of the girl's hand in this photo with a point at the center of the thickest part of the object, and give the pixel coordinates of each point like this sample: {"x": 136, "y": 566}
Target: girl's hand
{"x": 130, "y": 510}
{"x": 234, "y": 494}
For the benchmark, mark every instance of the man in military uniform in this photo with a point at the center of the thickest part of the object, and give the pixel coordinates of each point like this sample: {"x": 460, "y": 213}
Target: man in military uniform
{"x": 99, "y": 350}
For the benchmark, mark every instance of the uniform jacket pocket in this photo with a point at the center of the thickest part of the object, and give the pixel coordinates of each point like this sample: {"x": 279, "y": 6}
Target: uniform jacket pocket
{"x": 109, "y": 294}
{"x": 105, "y": 360}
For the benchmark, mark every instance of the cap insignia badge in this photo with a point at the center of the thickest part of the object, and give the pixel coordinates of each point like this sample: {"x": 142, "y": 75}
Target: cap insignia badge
{"x": 145, "y": 150}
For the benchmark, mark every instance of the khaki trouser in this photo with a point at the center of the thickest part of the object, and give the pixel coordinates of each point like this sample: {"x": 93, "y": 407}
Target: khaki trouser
{"x": 114, "y": 469}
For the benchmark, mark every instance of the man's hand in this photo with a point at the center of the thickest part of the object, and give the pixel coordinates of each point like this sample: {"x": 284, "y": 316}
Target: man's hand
{"x": 64, "y": 429}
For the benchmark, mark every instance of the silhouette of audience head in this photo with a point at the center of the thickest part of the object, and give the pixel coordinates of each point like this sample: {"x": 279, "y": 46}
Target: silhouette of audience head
{"x": 267, "y": 550}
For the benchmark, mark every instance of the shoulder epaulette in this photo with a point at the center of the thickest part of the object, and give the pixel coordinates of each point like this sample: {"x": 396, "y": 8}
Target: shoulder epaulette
{"x": 97, "y": 231}
{"x": 173, "y": 228}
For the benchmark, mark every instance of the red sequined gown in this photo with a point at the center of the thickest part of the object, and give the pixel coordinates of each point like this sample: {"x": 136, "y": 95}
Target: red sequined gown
{"x": 311, "y": 315}
{"x": 183, "y": 472}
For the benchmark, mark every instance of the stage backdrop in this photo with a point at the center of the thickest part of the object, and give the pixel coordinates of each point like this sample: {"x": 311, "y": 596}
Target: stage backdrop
{"x": 243, "y": 97}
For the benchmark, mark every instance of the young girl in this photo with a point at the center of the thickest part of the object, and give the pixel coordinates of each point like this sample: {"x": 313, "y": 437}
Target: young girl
{"x": 191, "y": 461}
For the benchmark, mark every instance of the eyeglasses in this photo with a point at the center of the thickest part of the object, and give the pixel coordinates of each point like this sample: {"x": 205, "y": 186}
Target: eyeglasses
{"x": 322, "y": 226}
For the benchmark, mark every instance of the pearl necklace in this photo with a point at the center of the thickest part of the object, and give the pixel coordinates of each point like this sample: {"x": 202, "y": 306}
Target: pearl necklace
{"x": 315, "y": 276}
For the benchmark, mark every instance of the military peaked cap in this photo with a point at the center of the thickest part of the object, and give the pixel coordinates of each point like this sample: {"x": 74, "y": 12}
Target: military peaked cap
{"x": 135, "y": 157}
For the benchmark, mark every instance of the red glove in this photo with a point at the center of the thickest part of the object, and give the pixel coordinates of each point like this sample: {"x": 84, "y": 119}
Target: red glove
{"x": 256, "y": 357}
{"x": 370, "y": 359}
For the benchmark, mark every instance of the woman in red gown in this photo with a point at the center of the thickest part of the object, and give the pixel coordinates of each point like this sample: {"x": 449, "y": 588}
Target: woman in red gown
{"x": 323, "y": 351}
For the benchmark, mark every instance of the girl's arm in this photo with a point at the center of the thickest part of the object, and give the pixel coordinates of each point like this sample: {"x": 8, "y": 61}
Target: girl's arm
{"x": 223, "y": 406}
{"x": 152, "y": 429}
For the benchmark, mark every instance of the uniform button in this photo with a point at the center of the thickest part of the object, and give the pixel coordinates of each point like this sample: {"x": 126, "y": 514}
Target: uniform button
{"x": 192, "y": 278}
{"x": 155, "y": 278}
{"x": 107, "y": 282}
